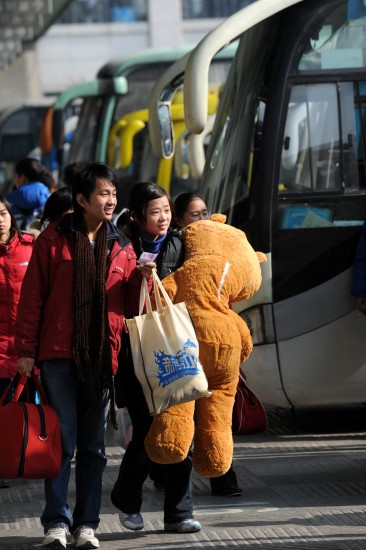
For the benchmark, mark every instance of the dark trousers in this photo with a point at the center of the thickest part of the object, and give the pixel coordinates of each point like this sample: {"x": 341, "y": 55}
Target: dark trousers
{"x": 135, "y": 467}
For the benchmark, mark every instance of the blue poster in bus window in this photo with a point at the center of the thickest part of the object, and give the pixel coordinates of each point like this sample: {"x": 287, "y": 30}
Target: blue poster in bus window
{"x": 295, "y": 217}
{"x": 356, "y": 9}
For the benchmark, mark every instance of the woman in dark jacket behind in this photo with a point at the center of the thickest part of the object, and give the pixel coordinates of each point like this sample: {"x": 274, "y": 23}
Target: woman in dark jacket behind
{"x": 147, "y": 224}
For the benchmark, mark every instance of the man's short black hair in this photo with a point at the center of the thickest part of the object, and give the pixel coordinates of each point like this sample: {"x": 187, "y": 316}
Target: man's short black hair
{"x": 86, "y": 181}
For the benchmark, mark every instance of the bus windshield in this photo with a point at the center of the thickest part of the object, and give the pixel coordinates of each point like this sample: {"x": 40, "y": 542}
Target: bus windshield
{"x": 226, "y": 180}
{"x": 328, "y": 159}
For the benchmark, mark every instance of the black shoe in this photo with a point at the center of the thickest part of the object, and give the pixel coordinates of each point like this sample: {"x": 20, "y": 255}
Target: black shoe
{"x": 234, "y": 491}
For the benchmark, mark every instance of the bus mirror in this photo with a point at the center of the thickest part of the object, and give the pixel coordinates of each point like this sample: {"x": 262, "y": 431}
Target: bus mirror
{"x": 197, "y": 152}
{"x": 161, "y": 96}
{"x": 181, "y": 156}
{"x": 166, "y": 130}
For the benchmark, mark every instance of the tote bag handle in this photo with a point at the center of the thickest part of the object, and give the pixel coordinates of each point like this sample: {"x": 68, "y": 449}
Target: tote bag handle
{"x": 145, "y": 296}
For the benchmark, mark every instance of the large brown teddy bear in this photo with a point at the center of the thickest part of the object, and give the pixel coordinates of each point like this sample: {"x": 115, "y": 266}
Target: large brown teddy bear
{"x": 220, "y": 267}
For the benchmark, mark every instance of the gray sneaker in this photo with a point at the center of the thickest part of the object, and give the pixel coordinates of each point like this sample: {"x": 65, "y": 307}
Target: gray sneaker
{"x": 134, "y": 522}
{"x": 55, "y": 538}
{"x": 184, "y": 526}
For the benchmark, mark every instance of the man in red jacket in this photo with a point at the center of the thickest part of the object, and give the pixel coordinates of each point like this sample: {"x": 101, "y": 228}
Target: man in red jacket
{"x": 81, "y": 281}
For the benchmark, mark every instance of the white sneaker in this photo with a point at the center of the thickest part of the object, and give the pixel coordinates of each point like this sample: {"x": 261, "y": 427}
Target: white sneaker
{"x": 84, "y": 538}
{"x": 55, "y": 538}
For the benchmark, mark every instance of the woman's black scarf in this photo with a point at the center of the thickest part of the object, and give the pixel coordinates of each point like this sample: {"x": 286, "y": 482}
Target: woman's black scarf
{"x": 91, "y": 346}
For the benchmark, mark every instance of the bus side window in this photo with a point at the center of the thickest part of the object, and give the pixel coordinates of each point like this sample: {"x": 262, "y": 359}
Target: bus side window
{"x": 324, "y": 150}
{"x": 311, "y": 145}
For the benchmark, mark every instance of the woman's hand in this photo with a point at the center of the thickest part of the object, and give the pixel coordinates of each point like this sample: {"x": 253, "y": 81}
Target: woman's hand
{"x": 25, "y": 364}
{"x": 146, "y": 269}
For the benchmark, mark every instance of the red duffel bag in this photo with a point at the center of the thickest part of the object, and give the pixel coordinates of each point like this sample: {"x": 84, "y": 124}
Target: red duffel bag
{"x": 249, "y": 415}
{"x": 30, "y": 436}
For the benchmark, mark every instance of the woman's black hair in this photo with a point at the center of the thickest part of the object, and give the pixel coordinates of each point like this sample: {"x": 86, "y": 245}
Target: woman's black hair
{"x": 56, "y": 205}
{"x": 182, "y": 201}
{"x": 34, "y": 170}
{"x": 29, "y": 167}
{"x": 141, "y": 194}
{"x": 13, "y": 223}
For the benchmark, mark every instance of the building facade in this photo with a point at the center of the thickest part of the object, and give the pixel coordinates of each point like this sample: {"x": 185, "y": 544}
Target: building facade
{"x": 91, "y": 32}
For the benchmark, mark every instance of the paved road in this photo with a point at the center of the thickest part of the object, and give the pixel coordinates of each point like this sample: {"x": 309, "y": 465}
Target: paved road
{"x": 304, "y": 486}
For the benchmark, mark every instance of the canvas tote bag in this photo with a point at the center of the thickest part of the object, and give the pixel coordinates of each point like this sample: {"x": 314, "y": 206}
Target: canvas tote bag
{"x": 165, "y": 352}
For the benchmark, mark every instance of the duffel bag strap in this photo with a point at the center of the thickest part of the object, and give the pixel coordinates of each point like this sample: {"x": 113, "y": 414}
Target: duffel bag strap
{"x": 11, "y": 385}
{"x": 22, "y": 383}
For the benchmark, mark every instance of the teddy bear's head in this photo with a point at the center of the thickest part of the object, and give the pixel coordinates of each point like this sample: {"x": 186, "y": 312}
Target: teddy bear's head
{"x": 232, "y": 260}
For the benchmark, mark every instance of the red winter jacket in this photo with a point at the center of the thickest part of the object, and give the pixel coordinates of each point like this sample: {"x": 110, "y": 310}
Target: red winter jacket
{"x": 44, "y": 325}
{"x": 14, "y": 258}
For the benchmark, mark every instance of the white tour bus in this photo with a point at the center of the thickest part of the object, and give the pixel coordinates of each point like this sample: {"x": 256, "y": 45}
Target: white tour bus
{"x": 287, "y": 164}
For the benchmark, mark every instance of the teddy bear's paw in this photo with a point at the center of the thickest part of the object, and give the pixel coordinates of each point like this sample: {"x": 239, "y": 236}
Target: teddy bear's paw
{"x": 164, "y": 454}
{"x": 207, "y": 466}
{"x": 212, "y": 455}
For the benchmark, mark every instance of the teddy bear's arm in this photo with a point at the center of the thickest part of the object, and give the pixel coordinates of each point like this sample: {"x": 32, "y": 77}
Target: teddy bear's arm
{"x": 170, "y": 285}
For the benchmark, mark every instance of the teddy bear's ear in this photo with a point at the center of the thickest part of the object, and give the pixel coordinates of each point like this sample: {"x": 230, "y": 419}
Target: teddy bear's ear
{"x": 261, "y": 257}
{"x": 220, "y": 218}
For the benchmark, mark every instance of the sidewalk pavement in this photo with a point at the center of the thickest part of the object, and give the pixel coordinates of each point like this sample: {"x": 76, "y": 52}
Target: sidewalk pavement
{"x": 303, "y": 481}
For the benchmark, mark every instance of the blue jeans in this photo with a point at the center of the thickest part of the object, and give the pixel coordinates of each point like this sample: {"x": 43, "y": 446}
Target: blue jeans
{"x": 71, "y": 399}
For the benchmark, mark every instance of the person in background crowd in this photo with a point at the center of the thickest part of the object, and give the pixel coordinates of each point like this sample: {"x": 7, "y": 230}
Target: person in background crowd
{"x": 81, "y": 281}
{"x": 15, "y": 252}
{"x": 147, "y": 224}
{"x": 57, "y": 204}
{"x": 189, "y": 208}
{"x": 70, "y": 171}
{"x": 31, "y": 193}
{"x": 48, "y": 179}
